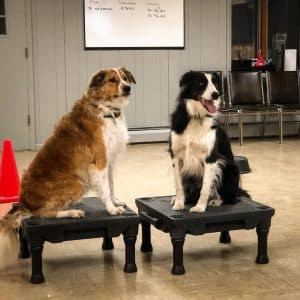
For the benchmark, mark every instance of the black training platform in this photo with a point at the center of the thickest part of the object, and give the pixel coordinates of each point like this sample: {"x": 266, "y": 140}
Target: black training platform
{"x": 96, "y": 223}
{"x": 246, "y": 214}
{"x": 242, "y": 163}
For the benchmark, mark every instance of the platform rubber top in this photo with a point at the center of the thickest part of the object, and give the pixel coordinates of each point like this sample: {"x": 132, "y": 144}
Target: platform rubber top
{"x": 244, "y": 214}
{"x": 96, "y": 223}
{"x": 94, "y": 210}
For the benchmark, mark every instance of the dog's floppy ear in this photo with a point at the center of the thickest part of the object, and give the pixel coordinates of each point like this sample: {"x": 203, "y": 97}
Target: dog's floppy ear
{"x": 129, "y": 75}
{"x": 97, "y": 79}
{"x": 186, "y": 79}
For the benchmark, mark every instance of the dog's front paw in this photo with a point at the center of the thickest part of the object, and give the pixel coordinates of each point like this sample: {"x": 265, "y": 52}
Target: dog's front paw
{"x": 76, "y": 213}
{"x": 113, "y": 210}
{"x": 178, "y": 203}
{"x": 117, "y": 202}
{"x": 215, "y": 202}
{"x": 198, "y": 208}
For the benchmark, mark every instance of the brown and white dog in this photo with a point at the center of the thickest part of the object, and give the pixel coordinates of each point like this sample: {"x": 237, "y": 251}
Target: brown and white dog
{"x": 79, "y": 155}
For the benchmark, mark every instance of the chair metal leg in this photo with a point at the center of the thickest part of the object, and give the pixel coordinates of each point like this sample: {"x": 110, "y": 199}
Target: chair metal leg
{"x": 265, "y": 124}
{"x": 240, "y": 127}
{"x": 224, "y": 122}
{"x": 226, "y": 117}
{"x": 227, "y": 121}
{"x": 280, "y": 117}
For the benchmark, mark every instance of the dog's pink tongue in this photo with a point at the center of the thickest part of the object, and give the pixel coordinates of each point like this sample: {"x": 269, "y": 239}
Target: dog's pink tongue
{"x": 210, "y": 106}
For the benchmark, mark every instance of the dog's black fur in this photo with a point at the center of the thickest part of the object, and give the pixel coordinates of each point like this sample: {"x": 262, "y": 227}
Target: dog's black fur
{"x": 193, "y": 84}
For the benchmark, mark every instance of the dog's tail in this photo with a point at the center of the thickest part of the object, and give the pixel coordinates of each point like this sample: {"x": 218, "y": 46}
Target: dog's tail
{"x": 9, "y": 230}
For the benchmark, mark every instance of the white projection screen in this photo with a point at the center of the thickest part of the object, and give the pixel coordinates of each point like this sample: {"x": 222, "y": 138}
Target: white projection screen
{"x": 133, "y": 24}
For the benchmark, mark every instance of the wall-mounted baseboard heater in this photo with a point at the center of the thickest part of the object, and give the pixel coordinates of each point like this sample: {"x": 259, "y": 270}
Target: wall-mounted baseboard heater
{"x": 148, "y": 135}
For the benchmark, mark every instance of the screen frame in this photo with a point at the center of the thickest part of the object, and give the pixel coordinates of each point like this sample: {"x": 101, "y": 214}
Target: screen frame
{"x": 136, "y": 47}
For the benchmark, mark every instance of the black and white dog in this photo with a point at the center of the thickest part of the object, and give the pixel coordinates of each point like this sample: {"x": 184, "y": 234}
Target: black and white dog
{"x": 204, "y": 168}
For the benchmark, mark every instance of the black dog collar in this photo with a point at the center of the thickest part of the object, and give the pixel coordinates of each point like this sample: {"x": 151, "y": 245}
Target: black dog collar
{"x": 113, "y": 115}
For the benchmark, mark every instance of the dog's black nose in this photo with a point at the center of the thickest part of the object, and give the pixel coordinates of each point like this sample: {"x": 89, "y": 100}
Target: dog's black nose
{"x": 126, "y": 88}
{"x": 215, "y": 95}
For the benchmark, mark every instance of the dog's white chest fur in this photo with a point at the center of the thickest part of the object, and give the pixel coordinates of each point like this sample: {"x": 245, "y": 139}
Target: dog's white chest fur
{"x": 193, "y": 146}
{"x": 115, "y": 137}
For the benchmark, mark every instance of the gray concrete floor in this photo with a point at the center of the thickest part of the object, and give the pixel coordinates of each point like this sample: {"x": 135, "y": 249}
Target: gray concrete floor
{"x": 81, "y": 270}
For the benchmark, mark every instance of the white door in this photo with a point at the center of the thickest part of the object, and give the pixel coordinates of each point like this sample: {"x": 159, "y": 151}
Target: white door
{"x": 13, "y": 79}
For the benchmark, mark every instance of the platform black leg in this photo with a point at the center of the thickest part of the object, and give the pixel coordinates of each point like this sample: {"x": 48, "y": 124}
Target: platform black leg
{"x": 225, "y": 237}
{"x": 178, "y": 268}
{"x": 262, "y": 246}
{"x": 130, "y": 266}
{"x": 107, "y": 243}
{"x": 37, "y": 267}
{"x": 146, "y": 237}
{"x": 24, "y": 249}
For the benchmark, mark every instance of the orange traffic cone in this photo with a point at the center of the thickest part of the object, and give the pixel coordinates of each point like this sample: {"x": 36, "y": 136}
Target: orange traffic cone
{"x": 9, "y": 177}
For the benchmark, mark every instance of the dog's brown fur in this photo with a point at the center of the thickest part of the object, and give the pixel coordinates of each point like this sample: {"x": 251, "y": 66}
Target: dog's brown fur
{"x": 59, "y": 173}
